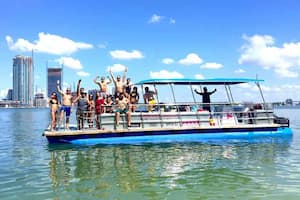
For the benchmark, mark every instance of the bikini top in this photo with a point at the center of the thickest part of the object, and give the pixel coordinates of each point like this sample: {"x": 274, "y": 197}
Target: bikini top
{"x": 53, "y": 102}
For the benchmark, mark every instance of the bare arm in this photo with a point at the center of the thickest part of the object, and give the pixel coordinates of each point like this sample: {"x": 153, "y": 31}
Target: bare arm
{"x": 112, "y": 76}
{"x": 78, "y": 87}
{"x": 97, "y": 82}
{"x": 59, "y": 89}
{"x": 76, "y": 99}
{"x": 109, "y": 80}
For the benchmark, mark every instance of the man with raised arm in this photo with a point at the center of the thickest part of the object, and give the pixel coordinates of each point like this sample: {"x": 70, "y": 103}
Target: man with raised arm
{"x": 205, "y": 97}
{"x": 66, "y": 104}
{"x": 119, "y": 83}
{"x": 102, "y": 85}
{"x": 149, "y": 98}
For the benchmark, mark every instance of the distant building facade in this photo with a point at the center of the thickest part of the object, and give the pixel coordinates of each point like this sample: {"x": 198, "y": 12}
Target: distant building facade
{"x": 9, "y": 95}
{"x": 23, "y": 80}
{"x": 39, "y": 100}
{"x": 53, "y": 75}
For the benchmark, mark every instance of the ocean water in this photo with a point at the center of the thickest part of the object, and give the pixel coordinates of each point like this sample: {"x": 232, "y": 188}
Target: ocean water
{"x": 30, "y": 168}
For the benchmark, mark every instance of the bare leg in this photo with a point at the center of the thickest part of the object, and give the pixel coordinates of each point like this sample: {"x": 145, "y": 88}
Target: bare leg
{"x": 117, "y": 118}
{"x": 67, "y": 122}
{"x": 128, "y": 118}
{"x": 52, "y": 120}
{"x": 61, "y": 118}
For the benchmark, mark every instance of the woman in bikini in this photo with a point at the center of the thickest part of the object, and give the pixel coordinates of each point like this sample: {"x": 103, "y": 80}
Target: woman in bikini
{"x": 133, "y": 99}
{"x": 53, "y": 104}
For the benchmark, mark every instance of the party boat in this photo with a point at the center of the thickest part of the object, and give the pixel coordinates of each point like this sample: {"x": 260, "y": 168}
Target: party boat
{"x": 178, "y": 117}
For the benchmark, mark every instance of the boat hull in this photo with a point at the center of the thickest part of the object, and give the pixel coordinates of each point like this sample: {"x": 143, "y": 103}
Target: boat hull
{"x": 166, "y": 136}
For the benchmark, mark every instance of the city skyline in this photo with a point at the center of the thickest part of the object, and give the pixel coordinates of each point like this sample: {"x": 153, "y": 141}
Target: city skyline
{"x": 182, "y": 39}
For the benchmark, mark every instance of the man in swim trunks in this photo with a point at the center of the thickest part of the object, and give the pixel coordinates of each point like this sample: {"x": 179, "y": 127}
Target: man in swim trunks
{"x": 66, "y": 104}
{"x": 122, "y": 108}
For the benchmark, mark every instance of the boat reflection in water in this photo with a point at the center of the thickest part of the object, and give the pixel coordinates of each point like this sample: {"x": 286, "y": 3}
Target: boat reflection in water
{"x": 108, "y": 171}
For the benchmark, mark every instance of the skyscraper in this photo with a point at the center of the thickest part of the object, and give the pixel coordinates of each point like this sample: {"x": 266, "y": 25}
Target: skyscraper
{"x": 23, "y": 80}
{"x": 54, "y": 74}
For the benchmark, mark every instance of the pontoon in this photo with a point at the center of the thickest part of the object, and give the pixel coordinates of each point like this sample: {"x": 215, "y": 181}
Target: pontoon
{"x": 174, "y": 120}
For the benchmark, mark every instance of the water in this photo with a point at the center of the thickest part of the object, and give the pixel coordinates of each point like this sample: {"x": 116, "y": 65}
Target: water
{"x": 30, "y": 168}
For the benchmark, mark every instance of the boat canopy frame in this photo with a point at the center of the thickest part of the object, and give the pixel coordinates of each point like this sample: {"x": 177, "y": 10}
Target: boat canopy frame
{"x": 226, "y": 82}
{"x": 212, "y": 81}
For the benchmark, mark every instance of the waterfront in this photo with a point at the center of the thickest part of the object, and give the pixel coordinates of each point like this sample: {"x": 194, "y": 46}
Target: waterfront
{"x": 30, "y": 168}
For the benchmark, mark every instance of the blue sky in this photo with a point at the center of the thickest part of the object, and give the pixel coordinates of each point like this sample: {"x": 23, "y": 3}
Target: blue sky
{"x": 154, "y": 39}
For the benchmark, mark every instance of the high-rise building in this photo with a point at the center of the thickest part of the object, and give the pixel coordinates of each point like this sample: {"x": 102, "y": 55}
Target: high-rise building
{"x": 54, "y": 74}
{"x": 23, "y": 80}
{"x": 9, "y": 95}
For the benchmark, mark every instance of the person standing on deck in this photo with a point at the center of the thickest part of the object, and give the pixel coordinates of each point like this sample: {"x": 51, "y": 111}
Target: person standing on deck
{"x": 53, "y": 104}
{"x": 66, "y": 104}
{"x": 149, "y": 98}
{"x": 119, "y": 83}
{"x": 205, "y": 97}
{"x": 133, "y": 99}
{"x": 127, "y": 86}
{"x": 82, "y": 107}
{"x": 102, "y": 85}
{"x": 122, "y": 108}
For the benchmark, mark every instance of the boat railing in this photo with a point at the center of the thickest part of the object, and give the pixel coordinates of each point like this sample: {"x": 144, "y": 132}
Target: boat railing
{"x": 185, "y": 114}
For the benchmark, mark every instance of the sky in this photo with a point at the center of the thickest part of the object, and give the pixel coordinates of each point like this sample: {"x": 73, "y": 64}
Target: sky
{"x": 156, "y": 39}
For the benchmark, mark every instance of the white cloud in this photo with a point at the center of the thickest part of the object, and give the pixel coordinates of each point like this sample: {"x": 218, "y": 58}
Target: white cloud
{"x": 47, "y": 43}
{"x": 260, "y": 50}
{"x": 211, "y": 66}
{"x": 116, "y": 68}
{"x": 172, "y": 21}
{"x": 167, "y": 61}
{"x": 3, "y": 93}
{"x": 286, "y": 73}
{"x": 70, "y": 63}
{"x": 83, "y": 74}
{"x": 191, "y": 59}
{"x": 20, "y": 45}
{"x": 239, "y": 71}
{"x": 244, "y": 85}
{"x": 155, "y": 19}
{"x": 126, "y": 55}
{"x": 266, "y": 88}
{"x": 165, "y": 74}
{"x": 199, "y": 76}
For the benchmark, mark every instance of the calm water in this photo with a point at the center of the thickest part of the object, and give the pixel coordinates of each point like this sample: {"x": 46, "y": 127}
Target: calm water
{"x": 30, "y": 168}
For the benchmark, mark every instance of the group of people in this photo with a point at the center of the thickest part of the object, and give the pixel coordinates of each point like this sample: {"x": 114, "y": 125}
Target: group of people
{"x": 123, "y": 101}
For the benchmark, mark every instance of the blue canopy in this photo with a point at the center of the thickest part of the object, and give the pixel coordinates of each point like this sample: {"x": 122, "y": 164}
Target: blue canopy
{"x": 212, "y": 81}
